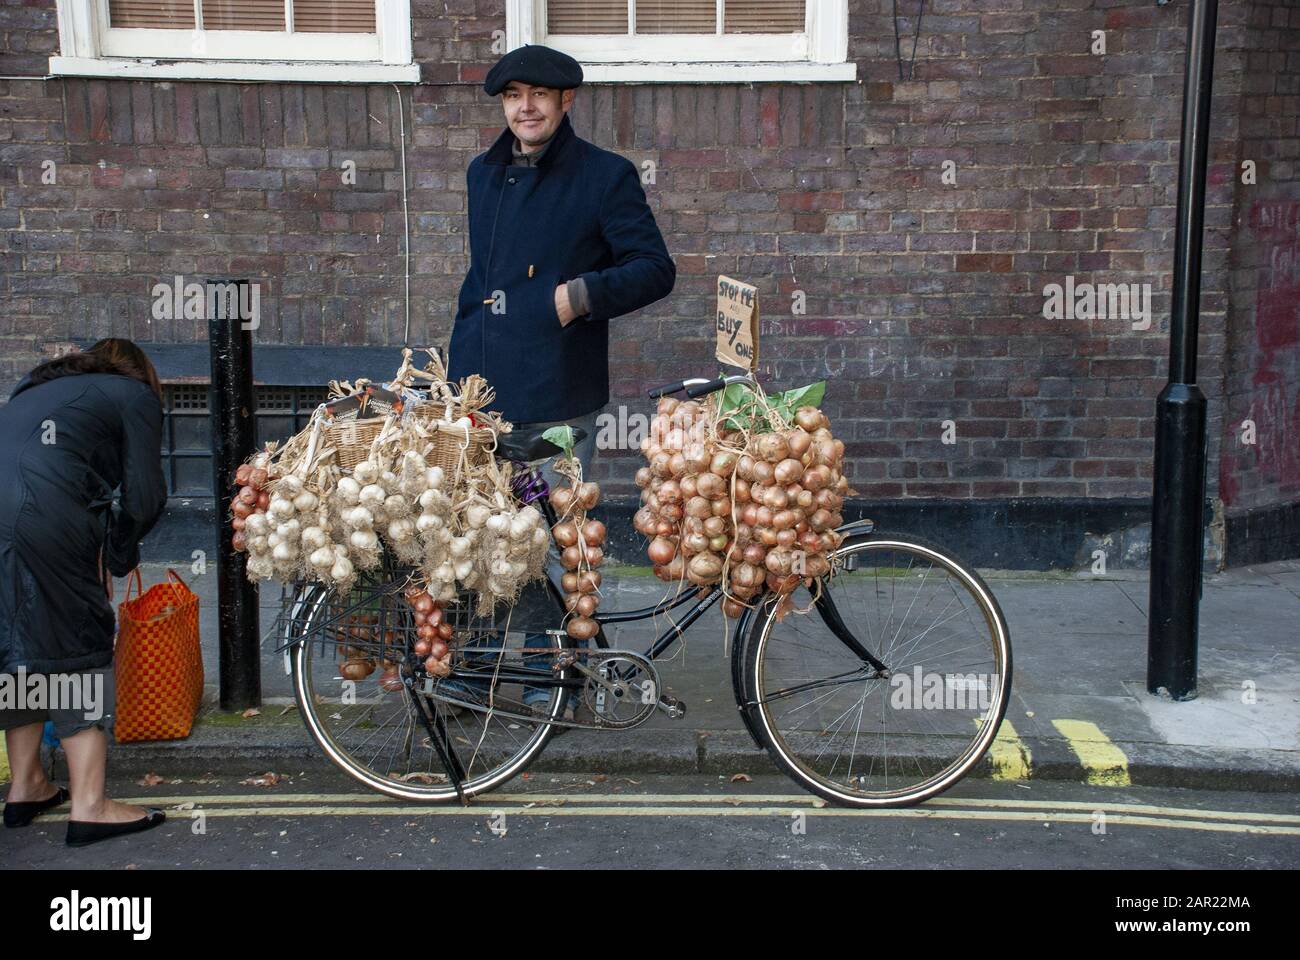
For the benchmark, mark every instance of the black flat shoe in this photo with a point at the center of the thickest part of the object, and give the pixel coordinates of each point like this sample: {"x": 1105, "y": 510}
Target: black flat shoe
{"x": 82, "y": 832}
{"x": 21, "y": 814}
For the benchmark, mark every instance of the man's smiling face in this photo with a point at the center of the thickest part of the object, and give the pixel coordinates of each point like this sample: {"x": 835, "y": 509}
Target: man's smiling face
{"x": 534, "y": 113}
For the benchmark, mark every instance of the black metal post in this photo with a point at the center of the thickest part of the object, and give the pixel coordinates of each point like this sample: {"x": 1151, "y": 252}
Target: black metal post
{"x": 231, "y": 401}
{"x": 1178, "y": 495}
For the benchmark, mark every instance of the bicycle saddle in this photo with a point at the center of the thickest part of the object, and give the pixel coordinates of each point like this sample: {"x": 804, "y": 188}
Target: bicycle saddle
{"x": 527, "y": 444}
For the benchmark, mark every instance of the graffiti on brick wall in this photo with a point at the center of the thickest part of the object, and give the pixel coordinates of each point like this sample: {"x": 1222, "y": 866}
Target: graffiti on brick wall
{"x": 1275, "y": 374}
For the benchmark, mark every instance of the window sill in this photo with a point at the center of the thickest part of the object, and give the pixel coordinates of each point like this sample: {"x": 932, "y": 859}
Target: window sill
{"x": 738, "y": 72}
{"x": 248, "y": 70}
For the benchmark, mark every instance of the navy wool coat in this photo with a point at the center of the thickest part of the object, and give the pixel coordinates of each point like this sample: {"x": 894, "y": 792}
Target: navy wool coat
{"x": 69, "y": 444}
{"x": 580, "y": 212}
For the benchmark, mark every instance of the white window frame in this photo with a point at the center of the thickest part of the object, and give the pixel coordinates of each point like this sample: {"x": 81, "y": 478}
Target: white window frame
{"x": 89, "y": 47}
{"x": 819, "y": 53}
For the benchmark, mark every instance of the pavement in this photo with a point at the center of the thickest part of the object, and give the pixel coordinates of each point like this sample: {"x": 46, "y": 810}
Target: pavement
{"x": 1079, "y": 708}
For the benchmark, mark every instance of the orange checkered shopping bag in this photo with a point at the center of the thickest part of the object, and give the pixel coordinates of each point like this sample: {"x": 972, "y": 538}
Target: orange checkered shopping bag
{"x": 158, "y": 661}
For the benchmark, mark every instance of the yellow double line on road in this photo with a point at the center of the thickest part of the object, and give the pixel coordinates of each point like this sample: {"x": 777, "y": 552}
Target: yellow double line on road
{"x": 713, "y": 805}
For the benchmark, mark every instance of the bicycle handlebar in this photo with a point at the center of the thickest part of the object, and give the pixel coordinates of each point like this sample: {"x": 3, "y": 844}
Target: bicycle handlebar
{"x": 698, "y": 387}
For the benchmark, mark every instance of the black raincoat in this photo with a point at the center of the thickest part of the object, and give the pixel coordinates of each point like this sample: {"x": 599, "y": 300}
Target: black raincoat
{"x": 65, "y": 446}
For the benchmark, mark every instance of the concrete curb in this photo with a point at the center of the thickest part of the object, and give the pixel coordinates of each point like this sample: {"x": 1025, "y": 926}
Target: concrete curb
{"x": 287, "y": 748}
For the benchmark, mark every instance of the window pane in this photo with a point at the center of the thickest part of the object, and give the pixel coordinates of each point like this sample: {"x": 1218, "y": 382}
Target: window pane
{"x": 243, "y": 14}
{"x": 334, "y": 16}
{"x": 586, "y": 16}
{"x": 676, "y": 16}
{"x": 763, "y": 16}
{"x": 155, "y": 14}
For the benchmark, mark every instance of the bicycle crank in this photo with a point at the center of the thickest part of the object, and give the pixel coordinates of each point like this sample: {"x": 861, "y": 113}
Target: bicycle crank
{"x": 621, "y": 688}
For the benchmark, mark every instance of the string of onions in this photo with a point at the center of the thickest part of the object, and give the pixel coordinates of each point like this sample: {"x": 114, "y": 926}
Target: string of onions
{"x": 581, "y": 540}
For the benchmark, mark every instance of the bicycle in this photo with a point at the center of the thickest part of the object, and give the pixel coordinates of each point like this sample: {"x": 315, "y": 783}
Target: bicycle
{"x": 437, "y": 739}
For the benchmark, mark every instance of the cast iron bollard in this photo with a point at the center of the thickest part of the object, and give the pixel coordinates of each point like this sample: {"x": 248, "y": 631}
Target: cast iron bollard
{"x": 1178, "y": 482}
{"x": 231, "y": 402}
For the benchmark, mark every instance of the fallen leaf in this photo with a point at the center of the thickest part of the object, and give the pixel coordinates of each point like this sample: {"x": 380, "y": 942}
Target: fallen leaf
{"x": 818, "y": 802}
{"x": 741, "y": 778}
{"x": 250, "y": 712}
{"x": 601, "y": 777}
{"x": 149, "y": 780}
{"x": 267, "y": 779}
{"x": 734, "y": 801}
{"x": 184, "y": 806}
{"x": 292, "y": 706}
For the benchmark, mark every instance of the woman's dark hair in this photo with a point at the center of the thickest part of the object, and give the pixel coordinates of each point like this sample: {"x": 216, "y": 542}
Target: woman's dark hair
{"x": 113, "y": 355}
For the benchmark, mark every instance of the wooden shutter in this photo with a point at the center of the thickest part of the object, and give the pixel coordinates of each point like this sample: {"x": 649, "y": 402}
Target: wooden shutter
{"x": 333, "y": 16}
{"x": 152, "y": 14}
{"x": 243, "y": 15}
{"x": 676, "y": 16}
{"x": 762, "y": 16}
{"x": 586, "y": 16}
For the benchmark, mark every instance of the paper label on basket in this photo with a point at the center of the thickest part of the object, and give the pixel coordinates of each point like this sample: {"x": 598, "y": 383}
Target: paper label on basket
{"x": 737, "y": 323}
{"x": 370, "y": 403}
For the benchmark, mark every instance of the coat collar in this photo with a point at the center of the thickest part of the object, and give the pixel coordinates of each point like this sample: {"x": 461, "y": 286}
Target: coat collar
{"x": 500, "y": 151}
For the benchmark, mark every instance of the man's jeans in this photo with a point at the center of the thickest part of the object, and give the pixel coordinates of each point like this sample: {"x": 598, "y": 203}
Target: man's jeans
{"x": 584, "y": 451}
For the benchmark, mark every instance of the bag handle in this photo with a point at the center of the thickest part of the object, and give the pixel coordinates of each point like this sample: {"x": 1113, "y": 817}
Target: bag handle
{"x": 173, "y": 575}
{"x": 133, "y": 578}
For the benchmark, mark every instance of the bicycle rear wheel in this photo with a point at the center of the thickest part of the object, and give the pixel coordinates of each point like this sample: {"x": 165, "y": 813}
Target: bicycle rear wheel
{"x": 380, "y": 737}
{"x": 864, "y": 737}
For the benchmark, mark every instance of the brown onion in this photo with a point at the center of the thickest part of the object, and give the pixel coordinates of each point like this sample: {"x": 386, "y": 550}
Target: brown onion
{"x": 438, "y": 649}
{"x": 704, "y": 569}
{"x": 239, "y": 541}
{"x": 808, "y": 418}
{"x": 422, "y": 647}
{"x": 243, "y": 473}
{"x": 755, "y": 554}
{"x": 571, "y": 557}
{"x": 711, "y": 485}
{"x": 581, "y": 628}
{"x": 562, "y": 499}
{"x": 248, "y": 495}
{"x": 588, "y": 495}
{"x": 586, "y": 605}
{"x": 593, "y": 533}
{"x": 566, "y": 533}
{"x": 788, "y": 472}
{"x": 569, "y": 582}
{"x": 445, "y": 631}
{"x": 257, "y": 477}
{"x": 589, "y": 581}
{"x": 732, "y": 608}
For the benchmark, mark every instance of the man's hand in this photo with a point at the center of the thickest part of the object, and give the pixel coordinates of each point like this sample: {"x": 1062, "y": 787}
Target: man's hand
{"x": 562, "y": 306}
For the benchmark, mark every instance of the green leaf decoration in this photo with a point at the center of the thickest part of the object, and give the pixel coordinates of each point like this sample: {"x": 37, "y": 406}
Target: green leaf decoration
{"x": 562, "y": 437}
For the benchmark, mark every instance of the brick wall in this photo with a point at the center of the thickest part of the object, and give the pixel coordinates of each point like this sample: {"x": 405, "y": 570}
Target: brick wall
{"x": 924, "y": 299}
{"x": 1263, "y": 375}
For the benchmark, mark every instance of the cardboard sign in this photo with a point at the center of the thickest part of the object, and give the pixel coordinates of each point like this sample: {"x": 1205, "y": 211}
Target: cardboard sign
{"x": 737, "y": 323}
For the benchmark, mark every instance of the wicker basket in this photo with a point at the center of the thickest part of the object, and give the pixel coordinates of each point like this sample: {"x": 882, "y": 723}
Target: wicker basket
{"x": 446, "y": 442}
{"x": 352, "y": 439}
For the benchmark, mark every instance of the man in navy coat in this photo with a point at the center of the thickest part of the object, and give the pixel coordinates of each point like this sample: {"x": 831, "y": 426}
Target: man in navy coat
{"x": 562, "y": 242}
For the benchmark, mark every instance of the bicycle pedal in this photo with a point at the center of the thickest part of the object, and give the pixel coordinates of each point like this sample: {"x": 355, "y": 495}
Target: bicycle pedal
{"x": 676, "y": 709}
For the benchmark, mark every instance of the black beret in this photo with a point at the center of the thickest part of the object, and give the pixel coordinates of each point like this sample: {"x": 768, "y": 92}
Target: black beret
{"x": 536, "y": 66}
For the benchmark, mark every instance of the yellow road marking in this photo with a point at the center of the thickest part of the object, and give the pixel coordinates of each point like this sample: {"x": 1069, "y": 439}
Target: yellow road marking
{"x": 1105, "y": 763}
{"x": 912, "y": 813}
{"x": 785, "y": 801}
{"x": 1009, "y": 754}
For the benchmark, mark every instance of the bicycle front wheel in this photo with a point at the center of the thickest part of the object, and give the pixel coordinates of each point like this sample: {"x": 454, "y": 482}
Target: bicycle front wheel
{"x": 893, "y": 686}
